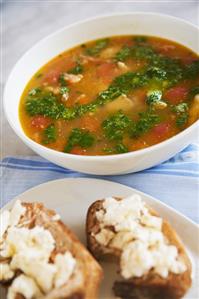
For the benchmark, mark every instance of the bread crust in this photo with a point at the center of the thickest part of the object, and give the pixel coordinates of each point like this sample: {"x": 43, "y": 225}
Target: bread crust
{"x": 150, "y": 286}
{"x": 84, "y": 283}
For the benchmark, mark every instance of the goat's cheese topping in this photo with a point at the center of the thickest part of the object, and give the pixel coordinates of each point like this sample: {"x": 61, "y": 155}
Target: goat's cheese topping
{"x": 138, "y": 234}
{"x": 64, "y": 272}
{"x": 37, "y": 243}
{"x": 5, "y": 272}
{"x": 29, "y": 251}
{"x": 104, "y": 236}
{"x": 25, "y": 286}
{"x": 11, "y": 218}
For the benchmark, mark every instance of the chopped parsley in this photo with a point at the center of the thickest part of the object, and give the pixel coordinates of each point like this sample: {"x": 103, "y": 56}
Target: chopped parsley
{"x": 146, "y": 121}
{"x": 98, "y": 47}
{"x": 182, "y": 114}
{"x": 194, "y": 91}
{"x": 79, "y": 137}
{"x": 153, "y": 97}
{"x": 181, "y": 120}
{"x": 34, "y": 91}
{"x": 181, "y": 108}
{"x": 123, "y": 54}
{"x": 62, "y": 81}
{"x": 45, "y": 103}
{"x": 116, "y": 125}
{"x": 120, "y": 148}
{"x": 78, "y": 69}
{"x": 140, "y": 39}
{"x": 49, "y": 134}
{"x": 192, "y": 70}
{"x": 64, "y": 89}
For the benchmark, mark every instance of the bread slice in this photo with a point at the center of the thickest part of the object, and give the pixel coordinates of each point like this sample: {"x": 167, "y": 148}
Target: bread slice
{"x": 84, "y": 282}
{"x": 150, "y": 285}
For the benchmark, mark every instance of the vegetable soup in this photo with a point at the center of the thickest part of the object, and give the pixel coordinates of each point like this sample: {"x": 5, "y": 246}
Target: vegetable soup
{"x": 112, "y": 96}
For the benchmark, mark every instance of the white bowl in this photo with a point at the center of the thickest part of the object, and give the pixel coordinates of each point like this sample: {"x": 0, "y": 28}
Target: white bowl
{"x": 117, "y": 24}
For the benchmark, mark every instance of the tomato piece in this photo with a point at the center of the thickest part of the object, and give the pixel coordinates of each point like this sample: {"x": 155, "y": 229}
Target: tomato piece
{"x": 90, "y": 123}
{"x": 106, "y": 71}
{"x": 40, "y": 122}
{"x": 83, "y": 99}
{"x": 78, "y": 151}
{"x": 161, "y": 130}
{"x": 176, "y": 94}
{"x": 166, "y": 49}
{"x": 52, "y": 77}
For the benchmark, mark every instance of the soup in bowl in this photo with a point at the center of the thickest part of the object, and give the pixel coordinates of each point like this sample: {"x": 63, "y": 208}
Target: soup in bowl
{"x": 120, "y": 98}
{"x": 112, "y": 96}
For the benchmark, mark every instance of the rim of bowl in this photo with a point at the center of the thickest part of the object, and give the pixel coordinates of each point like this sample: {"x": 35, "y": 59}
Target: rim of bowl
{"x": 28, "y": 141}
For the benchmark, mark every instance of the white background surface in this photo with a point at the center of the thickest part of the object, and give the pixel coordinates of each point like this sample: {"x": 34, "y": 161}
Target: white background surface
{"x": 23, "y": 23}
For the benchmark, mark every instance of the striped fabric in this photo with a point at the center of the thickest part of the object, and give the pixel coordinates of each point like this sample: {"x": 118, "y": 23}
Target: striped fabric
{"x": 175, "y": 182}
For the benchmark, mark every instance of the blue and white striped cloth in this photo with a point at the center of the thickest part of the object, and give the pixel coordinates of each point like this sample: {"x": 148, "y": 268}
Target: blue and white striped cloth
{"x": 174, "y": 182}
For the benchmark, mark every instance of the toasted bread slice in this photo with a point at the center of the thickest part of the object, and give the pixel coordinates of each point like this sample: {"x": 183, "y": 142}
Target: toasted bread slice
{"x": 150, "y": 285}
{"x": 85, "y": 280}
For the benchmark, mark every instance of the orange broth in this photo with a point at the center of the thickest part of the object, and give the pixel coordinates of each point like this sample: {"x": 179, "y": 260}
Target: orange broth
{"x": 112, "y": 96}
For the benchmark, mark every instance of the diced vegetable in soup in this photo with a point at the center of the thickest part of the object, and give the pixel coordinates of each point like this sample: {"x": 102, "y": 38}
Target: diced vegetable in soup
{"x": 112, "y": 96}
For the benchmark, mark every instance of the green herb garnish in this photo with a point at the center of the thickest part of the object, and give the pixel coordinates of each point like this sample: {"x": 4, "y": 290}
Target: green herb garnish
{"x": 34, "y": 91}
{"x": 194, "y": 91}
{"x": 192, "y": 70}
{"x": 181, "y": 120}
{"x": 123, "y": 54}
{"x": 116, "y": 125}
{"x": 182, "y": 114}
{"x": 98, "y": 47}
{"x": 120, "y": 148}
{"x": 78, "y": 69}
{"x": 64, "y": 90}
{"x": 79, "y": 137}
{"x": 146, "y": 121}
{"x": 62, "y": 81}
{"x": 49, "y": 134}
{"x": 153, "y": 97}
{"x": 140, "y": 39}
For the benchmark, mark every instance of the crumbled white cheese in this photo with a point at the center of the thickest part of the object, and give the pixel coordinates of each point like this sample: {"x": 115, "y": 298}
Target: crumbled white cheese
{"x": 4, "y": 223}
{"x": 11, "y": 218}
{"x": 136, "y": 260}
{"x": 139, "y": 236}
{"x": 65, "y": 264}
{"x": 152, "y": 221}
{"x": 5, "y": 272}
{"x": 121, "y": 239}
{"x": 122, "y": 214}
{"x": 29, "y": 251}
{"x": 41, "y": 271}
{"x": 16, "y": 212}
{"x": 36, "y": 242}
{"x": 71, "y": 78}
{"x": 104, "y": 236}
{"x": 24, "y": 286}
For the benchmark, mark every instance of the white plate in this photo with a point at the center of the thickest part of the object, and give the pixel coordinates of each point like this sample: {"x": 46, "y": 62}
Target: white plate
{"x": 72, "y": 197}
